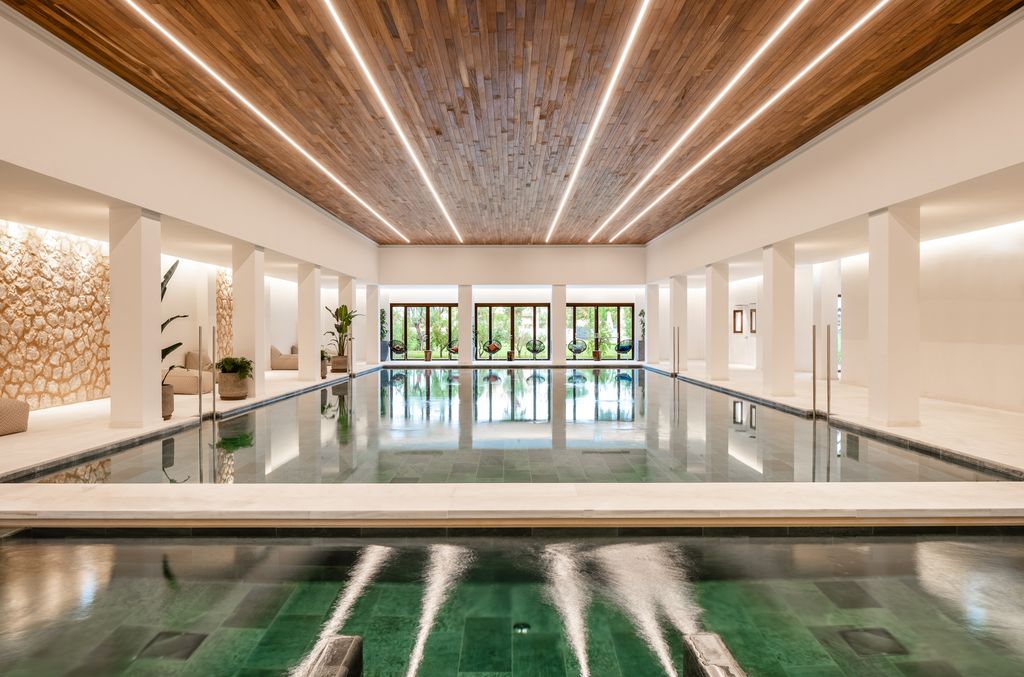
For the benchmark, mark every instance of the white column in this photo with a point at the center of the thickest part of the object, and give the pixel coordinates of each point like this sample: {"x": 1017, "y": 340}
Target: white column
{"x": 557, "y": 324}
{"x": 652, "y": 338}
{"x": 466, "y": 321}
{"x": 372, "y": 324}
{"x": 677, "y": 290}
{"x": 776, "y": 319}
{"x": 135, "y": 318}
{"x": 248, "y": 322}
{"x": 716, "y": 323}
{"x": 827, "y": 284}
{"x": 894, "y": 325}
{"x": 309, "y": 331}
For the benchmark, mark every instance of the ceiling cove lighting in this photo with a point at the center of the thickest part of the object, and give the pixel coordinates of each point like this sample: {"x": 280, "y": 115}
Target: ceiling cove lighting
{"x": 756, "y": 114}
{"x": 704, "y": 113}
{"x": 596, "y": 122}
{"x": 260, "y": 114}
{"x": 390, "y": 114}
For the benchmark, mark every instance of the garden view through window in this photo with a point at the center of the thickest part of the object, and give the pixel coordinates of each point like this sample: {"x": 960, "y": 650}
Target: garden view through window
{"x": 419, "y": 328}
{"x": 593, "y": 327}
{"x": 512, "y": 331}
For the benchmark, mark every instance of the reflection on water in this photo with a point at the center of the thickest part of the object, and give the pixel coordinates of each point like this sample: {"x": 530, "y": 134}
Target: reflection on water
{"x": 932, "y": 606}
{"x": 515, "y": 425}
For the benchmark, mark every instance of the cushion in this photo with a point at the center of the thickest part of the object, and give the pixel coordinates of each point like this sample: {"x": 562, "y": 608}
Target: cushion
{"x": 13, "y": 416}
{"x": 295, "y": 350}
{"x": 274, "y": 352}
{"x": 186, "y": 381}
{"x": 194, "y": 361}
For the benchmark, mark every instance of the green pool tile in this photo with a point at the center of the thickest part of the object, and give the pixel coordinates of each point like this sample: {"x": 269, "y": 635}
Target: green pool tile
{"x": 222, "y": 652}
{"x": 154, "y": 667}
{"x": 486, "y": 645}
{"x": 789, "y": 642}
{"x": 259, "y": 607}
{"x": 285, "y": 642}
{"x": 537, "y": 654}
{"x": 600, "y": 652}
{"x": 635, "y": 657}
{"x": 115, "y": 651}
{"x": 388, "y": 642}
{"x": 312, "y": 599}
{"x": 441, "y": 654}
{"x": 398, "y": 599}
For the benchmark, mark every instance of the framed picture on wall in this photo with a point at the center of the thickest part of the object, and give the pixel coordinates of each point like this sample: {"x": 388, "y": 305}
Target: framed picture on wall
{"x": 737, "y": 321}
{"x": 753, "y": 320}
{"x": 737, "y": 412}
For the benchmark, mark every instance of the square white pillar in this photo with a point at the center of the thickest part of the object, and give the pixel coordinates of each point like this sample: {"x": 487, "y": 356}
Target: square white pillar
{"x": 894, "y": 316}
{"x": 652, "y": 335}
{"x": 309, "y": 331}
{"x": 677, "y": 305}
{"x": 466, "y": 322}
{"x": 373, "y": 338}
{"x": 717, "y": 321}
{"x": 776, "y": 319}
{"x": 347, "y": 297}
{"x": 135, "y": 318}
{"x": 557, "y": 325}
{"x": 827, "y": 285}
{"x": 248, "y": 321}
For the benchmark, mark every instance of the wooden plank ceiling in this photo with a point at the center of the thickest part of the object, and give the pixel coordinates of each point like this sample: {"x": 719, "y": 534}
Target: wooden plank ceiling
{"x": 497, "y": 95}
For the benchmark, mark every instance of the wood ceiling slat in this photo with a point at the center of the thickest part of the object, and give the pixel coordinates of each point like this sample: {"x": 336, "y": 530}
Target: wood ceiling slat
{"x": 496, "y": 96}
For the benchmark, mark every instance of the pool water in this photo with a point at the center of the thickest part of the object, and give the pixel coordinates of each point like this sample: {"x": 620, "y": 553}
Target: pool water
{"x": 894, "y": 606}
{"x": 515, "y": 425}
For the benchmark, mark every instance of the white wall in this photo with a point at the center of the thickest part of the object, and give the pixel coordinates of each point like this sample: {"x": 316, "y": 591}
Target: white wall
{"x": 743, "y": 295}
{"x": 628, "y": 294}
{"x": 803, "y": 316}
{"x": 69, "y": 122}
{"x": 190, "y": 282}
{"x": 855, "y": 321}
{"x": 958, "y": 122}
{"x": 282, "y": 314}
{"x": 524, "y": 294}
{"x": 695, "y": 320}
{"x": 512, "y": 265}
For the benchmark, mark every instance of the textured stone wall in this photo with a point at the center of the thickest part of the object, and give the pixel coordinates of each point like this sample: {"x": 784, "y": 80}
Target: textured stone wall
{"x": 54, "y": 304}
{"x": 225, "y": 342}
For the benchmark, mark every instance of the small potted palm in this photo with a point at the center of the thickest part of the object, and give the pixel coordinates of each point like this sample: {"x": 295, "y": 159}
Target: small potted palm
{"x": 597, "y": 348}
{"x": 428, "y": 353}
{"x": 166, "y": 389}
{"x": 233, "y": 377}
{"x": 340, "y": 337}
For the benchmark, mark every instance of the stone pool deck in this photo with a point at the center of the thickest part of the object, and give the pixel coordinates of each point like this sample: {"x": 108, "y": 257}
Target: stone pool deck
{"x": 64, "y": 434}
{"x": 980, "y": 436}
{"x": 906, "y": 504}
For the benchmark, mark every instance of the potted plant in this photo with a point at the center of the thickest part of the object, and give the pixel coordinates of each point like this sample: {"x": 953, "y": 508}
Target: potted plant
{"x": 166, "y": 389}
{"x": 597, "y": 348}
{"x": 325, "y": 363}
{"x": 385, "y": 331}
{"x": 340, "y": 337}
{"x": 428, "y": 353}
{"x": 233, "y": 377}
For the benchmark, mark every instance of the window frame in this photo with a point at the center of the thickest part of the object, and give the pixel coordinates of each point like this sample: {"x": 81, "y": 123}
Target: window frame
{"x": 405, "y": 326}
{"x": 512, "y": 328}
{"x": 570, "y": 315}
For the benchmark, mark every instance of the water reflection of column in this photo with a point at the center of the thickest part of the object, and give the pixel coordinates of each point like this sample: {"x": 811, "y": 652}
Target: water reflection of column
{"x": 718, "y": 419}
{"x": 557, "y": 398}
{"x": 776, "y": 444}
{"x": 466, "y": 393}
{"x": 677, "y": 432}
{"x": 696, "y": 423}
{"x": 653, "y": 411}
{"x": 307, "y": 412}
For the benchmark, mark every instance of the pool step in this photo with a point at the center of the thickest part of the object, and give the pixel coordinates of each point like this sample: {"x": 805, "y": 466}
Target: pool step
{"x": 342, "y": 657}
{"x": 708, "y": 656}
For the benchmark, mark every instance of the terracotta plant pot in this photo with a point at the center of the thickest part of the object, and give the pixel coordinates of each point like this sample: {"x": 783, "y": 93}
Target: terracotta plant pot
{"x": 339, "y": 364}
{"x": 231, "y": 387}
{"x": 510, "y": 356}
{"x": 325, "y": 366}
{"x": 167, "y": 400}
{"x": 427, "y": 355}
{"x": 597, "y": 354}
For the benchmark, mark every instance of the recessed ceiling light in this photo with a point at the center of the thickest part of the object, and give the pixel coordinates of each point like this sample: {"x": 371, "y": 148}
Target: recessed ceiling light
{"x": 390, "y": 114}
{"x": 596, "y": 122}
{"x": 757, "y": 113}
{"x": 704, "y": 113}
{"x": 259, "y": 113}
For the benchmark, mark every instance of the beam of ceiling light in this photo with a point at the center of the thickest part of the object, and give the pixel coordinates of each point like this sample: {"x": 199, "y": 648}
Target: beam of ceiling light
{"x": 390, "y": 114}
{"x": 757, "y": 113}
{"x": 260, "y": 114}
{"x": 703, "y": 114}
{"x": 596, "y": 122}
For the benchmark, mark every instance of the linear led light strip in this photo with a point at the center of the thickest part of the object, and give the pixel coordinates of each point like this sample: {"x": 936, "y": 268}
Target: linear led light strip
{"x": 756, "y": 114}
{"x": 596, "y": 122}
{"x": 703, "y": 114}
{"x": 390, "y": 114}
{"x": 260, "y": 114}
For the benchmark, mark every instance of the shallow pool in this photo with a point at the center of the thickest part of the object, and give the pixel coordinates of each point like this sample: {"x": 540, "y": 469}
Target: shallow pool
{"x": 515, "y": 425}
{"x": 513, "y": 606}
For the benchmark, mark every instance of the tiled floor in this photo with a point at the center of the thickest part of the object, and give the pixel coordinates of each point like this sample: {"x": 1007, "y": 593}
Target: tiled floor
{"x": 786, "y": 608}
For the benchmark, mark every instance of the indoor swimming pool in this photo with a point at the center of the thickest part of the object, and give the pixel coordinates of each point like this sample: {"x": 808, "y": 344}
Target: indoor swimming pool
{"x": 541, "y": 606}
{"x": 437, "y": 425}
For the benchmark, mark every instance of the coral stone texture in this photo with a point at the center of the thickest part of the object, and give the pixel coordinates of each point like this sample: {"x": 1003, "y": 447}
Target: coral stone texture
{"x": 225, "y": 307}
{"x": 54, "y": 304}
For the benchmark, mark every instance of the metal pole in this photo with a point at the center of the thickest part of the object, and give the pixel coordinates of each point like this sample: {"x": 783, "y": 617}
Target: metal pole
{"x": 814, "y": 372}
{"x": 213, "y": 391}
{"x": 828, "y": 373}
